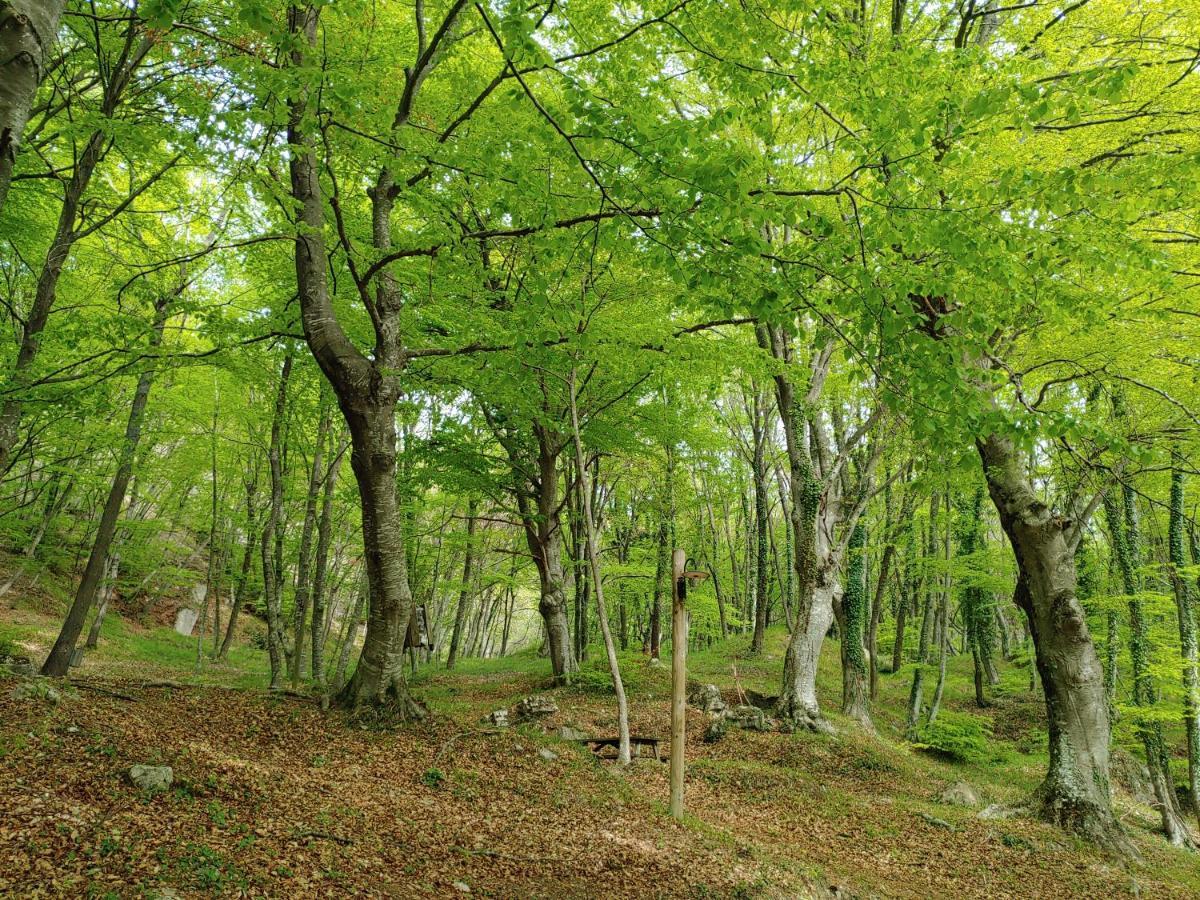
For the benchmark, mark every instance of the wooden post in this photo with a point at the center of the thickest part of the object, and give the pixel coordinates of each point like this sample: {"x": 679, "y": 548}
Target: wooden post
{"x": 679, "y": 639}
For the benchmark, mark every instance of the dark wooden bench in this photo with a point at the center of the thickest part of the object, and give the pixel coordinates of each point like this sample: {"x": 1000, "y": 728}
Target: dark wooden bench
{"x": 596, "y": 744}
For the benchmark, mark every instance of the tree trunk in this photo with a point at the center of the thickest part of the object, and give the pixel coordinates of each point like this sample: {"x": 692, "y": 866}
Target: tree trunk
{"x": 272, "y": 590}
{"x": 464, "y": 595}
{"x": 28, "y": 29}
{"x": 304, "y": 563}
{"x": 856, "y": 702}
{"x": 59, "y": 659}
{"x": 593, "y": 554}
{"x": 1184, "y": 604}
{"x": 353, "y": 618}
{"x": 110, "y": 581}
{"x": 239, "y": 591}
{"x": 1075, "y": 793}
{"x": 321, "y": 573}
{"x": 759, "y": 475}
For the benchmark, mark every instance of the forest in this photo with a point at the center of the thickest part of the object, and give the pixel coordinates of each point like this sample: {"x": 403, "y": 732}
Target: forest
{"x": 591, "y": 448}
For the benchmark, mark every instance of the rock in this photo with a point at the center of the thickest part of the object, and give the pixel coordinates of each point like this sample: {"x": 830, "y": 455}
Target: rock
{"x": 995, "y": 811}
{"x": 716, "y": 730}
{"x": 1131, "y": 775}
{"x": 959, "y": 793}
{"x": 749, "y": 717}
{"x": 20, "y": 665}
{"x": 462, "y": 887}
{"x": 655, "y": 663}
{"x": 35, "y": 690}
{"x": 570, "y": 733}
{"x": 547, "y": 754}
{"x": 498, "y": 717}
{"x": 536, "y": 705}
{"x": 185, "y": 620}
{"x": 164, "y": 892}
{"x": 706, "y": 697}
{"x": 151, "y": 778}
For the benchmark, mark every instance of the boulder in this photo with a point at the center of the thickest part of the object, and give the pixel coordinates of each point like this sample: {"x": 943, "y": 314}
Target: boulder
{"x": 20, "y": 665}
{"x": 547, "y": 754}
{"x": 151, "y": 778}
{"x": 958, "y": 793}
{"x": 749, "y": 717}
{"x": 1131, "y": 775}
{"x": 996, "y": 811}
{"x": 570, "y": 733}
{"x": 716, "y": 730}
{"x": 706, "y": 697}
{"x": 498, "y": 717}
{"x": 535, "y": 706}
{"x": 35, "y": 689}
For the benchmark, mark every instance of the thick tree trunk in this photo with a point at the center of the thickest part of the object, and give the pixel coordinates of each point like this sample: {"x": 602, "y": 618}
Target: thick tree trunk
{"x": 379, "y": 677}
{"x": 1075, "y": 793}
{"x": 1185, "y": 607}
{"x": 59, "y": 659}
{"x": 851, "y": 606}
{"x": 27, "y": 31}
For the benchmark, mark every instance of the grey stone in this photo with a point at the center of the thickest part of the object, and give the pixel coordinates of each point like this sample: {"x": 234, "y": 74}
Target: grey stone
{"x": 536, "y": 705}
{"x": 547, "y": 754}
{"x": 706, "y": 697}
{"x": 996, "y": 811}
{"x": 20, "y": 665}
{"x": 151, "y": 778}
{"x": 958, "y": 793}
{"x": 1131, "y": 775}
{"x": 462, "y": 887}
{"x": 498, "y": 717}
{"x": 749, "y": 717}
{"x": 185, "y": 620}
{"x": 570, "y": 733}
{"x": 35, "y": 690}
{"x": 716, "y": 730}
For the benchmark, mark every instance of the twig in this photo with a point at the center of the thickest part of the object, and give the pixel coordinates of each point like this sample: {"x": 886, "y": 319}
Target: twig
{"x": 100, "y": 690}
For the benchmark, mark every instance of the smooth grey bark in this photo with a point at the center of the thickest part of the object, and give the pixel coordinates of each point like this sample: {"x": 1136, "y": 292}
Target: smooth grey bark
{"x": 110, "y": 578}
{"x": 59, "y": 659}
{"x": 367, "y": 387}
{"x": 468, "y": 577}
{"x": 1075, "y": 793}
{"x": 27, "y": 32}
{"x": 593, "y": 554}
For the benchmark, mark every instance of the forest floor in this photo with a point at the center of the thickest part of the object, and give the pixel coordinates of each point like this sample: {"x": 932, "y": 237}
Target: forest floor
{"x": 274, "y": 797}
